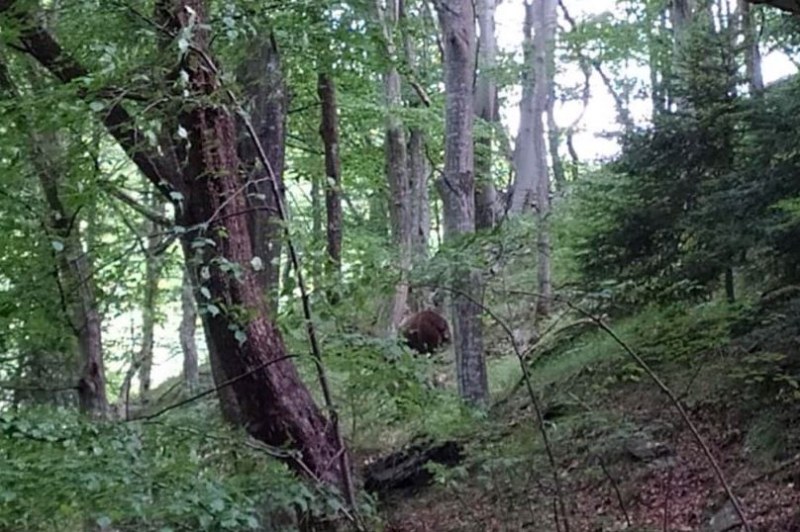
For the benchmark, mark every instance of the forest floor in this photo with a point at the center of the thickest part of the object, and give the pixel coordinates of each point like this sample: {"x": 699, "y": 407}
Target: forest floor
{"x": 625, "y": 458}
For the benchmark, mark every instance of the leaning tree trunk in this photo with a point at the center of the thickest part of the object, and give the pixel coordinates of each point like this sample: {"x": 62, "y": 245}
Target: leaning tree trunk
{"x": 276, "y": 406}
{"x": 486, "y": 110}
{"x": 456, "y": 18}
{"x": 329, "y": 131}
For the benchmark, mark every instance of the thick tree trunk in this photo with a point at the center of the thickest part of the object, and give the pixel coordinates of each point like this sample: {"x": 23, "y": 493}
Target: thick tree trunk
{"x": 456, "y": 18}
{"x": 486, "y": 110}
{"x": 275, "y": 404}
{"x": 276, "y": 407}
{"x": 266, "y": 103}
{"x": 186, "y": 332}
{"x": 329, "y": 131}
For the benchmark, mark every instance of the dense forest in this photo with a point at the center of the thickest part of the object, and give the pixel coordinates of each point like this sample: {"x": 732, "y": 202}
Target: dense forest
{"x": 401, "y": 265}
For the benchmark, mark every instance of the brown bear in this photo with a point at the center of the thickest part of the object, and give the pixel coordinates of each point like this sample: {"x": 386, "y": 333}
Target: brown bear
{"x": 425, "y": 331}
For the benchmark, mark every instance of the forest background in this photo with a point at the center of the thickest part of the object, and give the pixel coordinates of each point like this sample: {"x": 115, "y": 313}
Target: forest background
{"x": 216, "y": 216}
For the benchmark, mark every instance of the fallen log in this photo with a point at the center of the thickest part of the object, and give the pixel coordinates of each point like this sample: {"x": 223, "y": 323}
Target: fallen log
{"x": 405, "y": 469}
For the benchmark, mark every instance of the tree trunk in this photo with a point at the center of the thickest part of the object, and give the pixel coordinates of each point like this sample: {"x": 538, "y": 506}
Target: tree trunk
{"x": 186, "y": 332}
{"x": 276, "y": 406}
{"x": 396, "y": 169}
{"x": 228, "y": 403}
{"x": 544, "y": 43}
{"x": 418, "y": 171}
{"x": 73, "y": 266}
{"x": 329, "y": 131}
{"x": 752, "y": 53}
{"x": 456, "y": 18}
{"x": 153, "y": 264}
{"x": 524, "y": 159}
{"x": 486, "y": 110}
{"x": 266, "y": 103}
{"x": 77, "y": 280}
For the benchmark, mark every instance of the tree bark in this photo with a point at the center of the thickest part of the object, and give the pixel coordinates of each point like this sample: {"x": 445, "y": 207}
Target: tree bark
{"x": 266, "y": 103}
{"x": 418, "y": 173}
{"x": 486, "y": 110}
{"x": 457, "y": 22}
{"x": 277, "y": 408}
{"x": 329, "y": 131}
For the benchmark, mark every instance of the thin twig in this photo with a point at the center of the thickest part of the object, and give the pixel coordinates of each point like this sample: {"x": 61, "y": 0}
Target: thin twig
{"x": 670, "y": 395}
{"x": 212, "y": 390}
{"x": 534, "y": 401}
{"x": 615, "y": 486}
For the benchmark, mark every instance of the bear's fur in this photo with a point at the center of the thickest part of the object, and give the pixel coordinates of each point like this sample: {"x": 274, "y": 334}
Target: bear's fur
{"x": 425, "y": 331}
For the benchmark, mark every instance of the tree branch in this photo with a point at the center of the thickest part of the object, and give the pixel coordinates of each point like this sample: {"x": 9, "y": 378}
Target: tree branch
{"x": 130, "y": 201}
{"x": 36, "y": 41}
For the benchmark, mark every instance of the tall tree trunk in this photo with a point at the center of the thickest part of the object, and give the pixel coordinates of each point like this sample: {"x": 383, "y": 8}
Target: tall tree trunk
{"x": 530, "y": 153}
{"x": 266, "y": 103}
{"x": 524, "y": 158}
{"x": 186, "y": 332}
{"x": 418, "y": 172}
{"x": 544, "y": 43}
{"x": 276, "y": 406}
{"x": 457, "y": 22}
{"x": 396, "y": 167}
{"x": 486, "y": 110}
{"x": 329, "y": 131}
{"x": 752, "y": 52}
